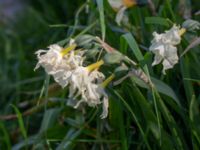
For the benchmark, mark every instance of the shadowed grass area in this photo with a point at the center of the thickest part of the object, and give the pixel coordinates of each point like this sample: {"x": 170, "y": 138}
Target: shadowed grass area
{"x": 33, "y": 110}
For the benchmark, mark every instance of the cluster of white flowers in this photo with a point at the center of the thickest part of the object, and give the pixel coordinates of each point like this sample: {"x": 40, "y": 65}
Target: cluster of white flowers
{"x": 120, "y": 6}
{"x": 86, "y": 84}
{"x": 66, "y": 66}
{"x": 164, "y": 47}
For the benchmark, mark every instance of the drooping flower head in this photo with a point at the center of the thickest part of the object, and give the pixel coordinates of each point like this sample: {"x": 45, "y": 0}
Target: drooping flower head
{"x": 86, "y": 84}
{"x": 85, "y": 87}
{"x": 59, "y": 61}
{"x": 164, "y": 47}
{"x": 120, "y": 6}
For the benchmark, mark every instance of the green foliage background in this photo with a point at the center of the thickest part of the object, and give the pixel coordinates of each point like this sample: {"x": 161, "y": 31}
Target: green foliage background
{"x": 139, "y": 118}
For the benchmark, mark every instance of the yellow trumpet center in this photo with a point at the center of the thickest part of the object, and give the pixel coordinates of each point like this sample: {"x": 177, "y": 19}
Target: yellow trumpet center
{"x": 95, "y": 65}
{"x": 107, "y": 81}
{"x": 129, "y": 3}
{"x": 68, "y": 49}
{"x": 182, "y": 31}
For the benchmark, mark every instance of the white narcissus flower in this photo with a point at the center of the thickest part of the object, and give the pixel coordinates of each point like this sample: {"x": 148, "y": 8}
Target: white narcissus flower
{"x": 64, "y": 72}
{"x": 120, "y": 6}
{"x": 59, "y": 62}
{"x": 120, "y": 15}
{"x": 66, "y": 66}
{"x": 82, "y": 81}
{"x": 116, "y": 4}
{"x": 85, "y": 85}
{"x": 164, "y": 47}
{"x": 49, "y": 59}
{"x": 94, "y": 95}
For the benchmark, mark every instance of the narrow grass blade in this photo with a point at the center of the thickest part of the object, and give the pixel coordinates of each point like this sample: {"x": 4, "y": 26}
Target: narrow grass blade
{"x": 193, "y": 44}
{"x": 135, "y": 118}
{"x": 102, "y": 20}
{"x": 20, "y": 121}
{"x": 116, "y": 115}
{"x": 157, "y": 21}
{"x": 4, "y": 137}
{"x": 165, "y": 89}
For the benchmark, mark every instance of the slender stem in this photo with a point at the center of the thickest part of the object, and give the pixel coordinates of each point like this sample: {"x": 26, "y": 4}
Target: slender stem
{"x": 131, "y": 61}
{"x": 157, "y": 112}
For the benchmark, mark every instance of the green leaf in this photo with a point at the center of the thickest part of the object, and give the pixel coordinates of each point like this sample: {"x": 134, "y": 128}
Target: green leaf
{"x": 157, "y": 20}
{"x": 116, "y": 115}
{"x": 146, "y": 109}
{"x": 115, "y": 93}
{"x": 193, "y": 44}
{"x": 194, "y": 111}
{"x": 185, "y": 71}
{"x": 49, "y": 119}
{"x": 133, "y": 45}
{"x": 102, "y": 20}
{"x": 160, "y": 86}
{"x": 67, "y": 142}
{"x": 30, "y": 141}
{"x": 4, "y": 137}
{"x": 165, "y": 89}
{"x": 20, "y": 121}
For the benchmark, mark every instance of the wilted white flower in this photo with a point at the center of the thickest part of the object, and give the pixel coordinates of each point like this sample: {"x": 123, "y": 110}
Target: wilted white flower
{"x": 59, "y": 62}
{"x": 94, "y": 95}
{"x": 116, "y": 4}
{"x": 85, "y": 85}
{"x": 164, "y": 47}
{"x": 120, "y": 6}
{"x": 81, "y": 81}
{"x": 49, "y": 59}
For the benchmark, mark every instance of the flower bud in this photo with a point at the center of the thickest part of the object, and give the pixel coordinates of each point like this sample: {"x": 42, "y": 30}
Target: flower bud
{"x": 191, "y": 25}
{"x": 113, "y": 58}
{"x": 85, "y": 41}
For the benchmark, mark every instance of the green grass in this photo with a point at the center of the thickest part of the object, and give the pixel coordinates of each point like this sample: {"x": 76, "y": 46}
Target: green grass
{"x": 33, "y": 110}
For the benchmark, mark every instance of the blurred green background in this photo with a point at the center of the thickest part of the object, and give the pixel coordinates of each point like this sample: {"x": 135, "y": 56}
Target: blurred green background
{"x": 29, "y": 25}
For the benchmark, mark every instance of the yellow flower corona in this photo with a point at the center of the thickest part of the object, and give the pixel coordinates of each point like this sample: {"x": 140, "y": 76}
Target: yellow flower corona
{"x": 107, "y": 81}
{"x": 121, "y": 6}
{"x": 68, "y": 49}
{"x": 95, "y": 65}
{"x": 182, "y": 31}
{"x": 129, "y": 3}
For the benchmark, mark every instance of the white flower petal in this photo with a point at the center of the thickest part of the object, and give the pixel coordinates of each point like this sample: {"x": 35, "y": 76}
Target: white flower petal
{"x": 57, "y": 65}
{"x": 163, "y": 46}
{"x": 120, "y": 15}
{"x": 105, "y": 108}
{"x": 116, "y": 4}
{"x": 157, "y": 60}
{"x": 86, "y": 86}
{"x": 173, "y": 35}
